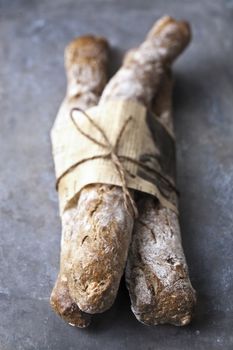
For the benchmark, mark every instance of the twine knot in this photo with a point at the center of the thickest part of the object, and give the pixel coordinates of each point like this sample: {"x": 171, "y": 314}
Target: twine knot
{"x": 112, "y": 154}
{"x": 117, "y": 160}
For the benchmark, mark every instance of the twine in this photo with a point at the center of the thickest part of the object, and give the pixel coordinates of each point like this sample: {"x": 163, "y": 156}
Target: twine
{"x": 112, "y": 154}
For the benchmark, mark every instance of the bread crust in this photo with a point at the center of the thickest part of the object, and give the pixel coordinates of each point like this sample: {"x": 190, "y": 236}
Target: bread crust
{"x": 157, "y": 273}
{"x": 86, "y": 60}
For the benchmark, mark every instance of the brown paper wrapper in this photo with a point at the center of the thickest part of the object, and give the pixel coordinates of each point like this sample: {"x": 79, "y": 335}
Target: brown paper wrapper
{"x": 144, "y": 140}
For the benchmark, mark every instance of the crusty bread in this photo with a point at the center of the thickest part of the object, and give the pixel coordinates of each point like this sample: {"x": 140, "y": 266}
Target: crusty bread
{"x": 86, "y": 61}
{"x": 96, "y": 230}
{"x": 102, "y": 230}
{"x": 157, "y": 273}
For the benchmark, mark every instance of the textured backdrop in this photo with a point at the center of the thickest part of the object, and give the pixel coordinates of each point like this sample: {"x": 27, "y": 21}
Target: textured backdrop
{"x": 33, "y": 35}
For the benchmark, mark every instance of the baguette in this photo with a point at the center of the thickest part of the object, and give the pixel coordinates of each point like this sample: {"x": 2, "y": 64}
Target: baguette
{"x": 157, "y": 273}
{"x": 86, "y": 67}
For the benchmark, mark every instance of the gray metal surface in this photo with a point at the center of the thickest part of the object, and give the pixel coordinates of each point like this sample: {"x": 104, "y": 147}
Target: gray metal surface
{"x": 33, "y": 35}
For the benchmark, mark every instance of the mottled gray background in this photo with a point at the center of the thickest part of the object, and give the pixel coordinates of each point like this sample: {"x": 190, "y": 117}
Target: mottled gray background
{"x": 33, "y": 35}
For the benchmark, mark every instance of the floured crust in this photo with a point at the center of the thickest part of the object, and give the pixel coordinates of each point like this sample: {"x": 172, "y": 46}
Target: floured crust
{"x": 99, "y": 242}
{"x": 157, "y": 273}
{"x": 86, "y": 66}
{"x": 139, "y": 77}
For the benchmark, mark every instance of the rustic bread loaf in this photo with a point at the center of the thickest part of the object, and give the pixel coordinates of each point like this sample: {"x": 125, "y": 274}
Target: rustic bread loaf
{"x": 86, "y": 61}
{"x": 101, "y": 229}
{"x": 157, "y": 273}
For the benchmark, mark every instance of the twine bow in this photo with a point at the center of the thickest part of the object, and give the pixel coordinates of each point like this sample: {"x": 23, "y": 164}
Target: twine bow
{"x": 112, "y": 154}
